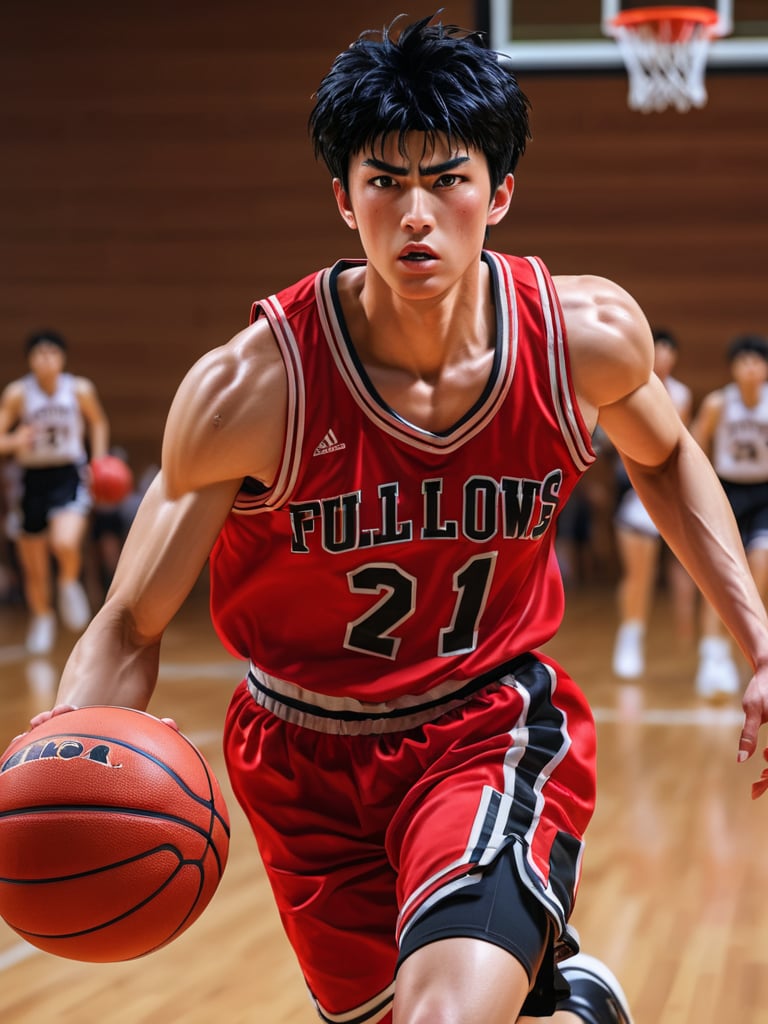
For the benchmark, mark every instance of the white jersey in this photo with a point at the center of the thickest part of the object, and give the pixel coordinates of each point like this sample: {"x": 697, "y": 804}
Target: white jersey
{"x": 740, "y": 442}
{"x": 59, "y": 428}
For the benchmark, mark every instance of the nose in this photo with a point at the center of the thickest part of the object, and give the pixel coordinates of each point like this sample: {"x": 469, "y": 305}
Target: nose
{"x": 417, "y": 215}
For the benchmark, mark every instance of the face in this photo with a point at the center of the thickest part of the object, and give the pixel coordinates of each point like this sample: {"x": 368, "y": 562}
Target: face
{"x": 46, "y": 360}
{"x": 421, "y": 215}
{"x": 749, "y": 368}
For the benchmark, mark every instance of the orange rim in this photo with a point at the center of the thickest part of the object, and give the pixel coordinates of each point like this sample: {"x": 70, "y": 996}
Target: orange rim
{"x": 675, "y": 15}
{"x": 638, "y": 15}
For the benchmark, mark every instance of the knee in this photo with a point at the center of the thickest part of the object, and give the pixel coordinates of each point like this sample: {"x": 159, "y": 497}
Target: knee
{"x": 426, "y": 1007}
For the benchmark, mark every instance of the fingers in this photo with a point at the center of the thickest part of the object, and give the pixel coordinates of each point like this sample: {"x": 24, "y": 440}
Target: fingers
{"x": 748, "y": 744}
{"x": 748, "y": 739}
{"x": 44, "y": 716}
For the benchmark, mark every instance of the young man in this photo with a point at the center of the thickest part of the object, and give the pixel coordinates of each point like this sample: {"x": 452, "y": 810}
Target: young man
{"x": 732, "y": 428}
{"x": 639, "y": 542}
{"x": 377, "y": 464}
{"x": 44, "y": 417}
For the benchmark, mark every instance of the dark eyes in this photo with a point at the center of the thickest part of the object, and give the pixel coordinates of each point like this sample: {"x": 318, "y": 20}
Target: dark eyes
{"x": 447, "y": 180}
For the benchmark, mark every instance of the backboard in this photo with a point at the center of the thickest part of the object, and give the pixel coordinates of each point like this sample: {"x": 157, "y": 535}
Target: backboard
{"x": 560, "y": 35}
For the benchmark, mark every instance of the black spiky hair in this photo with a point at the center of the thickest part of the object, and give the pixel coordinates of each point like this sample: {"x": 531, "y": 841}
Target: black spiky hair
{"x": 755, "y": 343}
{"x": 427, "y": 77}
{"x": 44, "y": 338}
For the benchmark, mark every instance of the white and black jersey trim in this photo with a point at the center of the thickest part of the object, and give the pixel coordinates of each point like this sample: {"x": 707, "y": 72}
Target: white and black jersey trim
{"x": 296, "y": 413}
{"x": 562, "y": 396}
{"x": 348, "y": 716}
{"x": 385, "y": 418}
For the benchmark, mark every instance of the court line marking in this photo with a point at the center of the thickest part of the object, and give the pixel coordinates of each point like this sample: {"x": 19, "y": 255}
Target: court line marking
{"x": 703, "y": 716}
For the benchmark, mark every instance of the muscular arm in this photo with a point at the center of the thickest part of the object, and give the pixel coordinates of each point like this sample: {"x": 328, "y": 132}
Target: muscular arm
{"x": 612, "y": 356}
{"x": 226, "y": 422}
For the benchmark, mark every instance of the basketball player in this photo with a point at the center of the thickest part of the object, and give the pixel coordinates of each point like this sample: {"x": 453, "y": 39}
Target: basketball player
{"x": 376, "y": 465}
{"x": 44, "y": 417}
{"x": 639, "y": 542}
{"x": 732, "y": 427}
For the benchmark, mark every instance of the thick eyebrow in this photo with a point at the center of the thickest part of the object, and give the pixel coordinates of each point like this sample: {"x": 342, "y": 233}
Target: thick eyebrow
{"x": 425, "y": 172}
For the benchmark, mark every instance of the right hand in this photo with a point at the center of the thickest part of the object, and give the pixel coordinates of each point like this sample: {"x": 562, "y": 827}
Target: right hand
{"x": 22, "y": 438}
{"x": 62, "y": 709}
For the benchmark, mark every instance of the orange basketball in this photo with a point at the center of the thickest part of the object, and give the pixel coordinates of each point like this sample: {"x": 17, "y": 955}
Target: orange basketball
{"x": 111, "y": 480}
{"x": 113, "y": 834}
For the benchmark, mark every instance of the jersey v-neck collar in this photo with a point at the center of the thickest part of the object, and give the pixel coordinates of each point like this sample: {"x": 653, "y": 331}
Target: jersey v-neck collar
{"x": 366, "y": 394}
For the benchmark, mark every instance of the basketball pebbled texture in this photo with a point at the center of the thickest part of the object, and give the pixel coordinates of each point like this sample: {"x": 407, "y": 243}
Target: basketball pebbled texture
{"x": 114, "y": 834}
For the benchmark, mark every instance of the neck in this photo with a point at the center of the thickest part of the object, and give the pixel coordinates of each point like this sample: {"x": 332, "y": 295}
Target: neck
{"x": 420, "y": 337}
{"x": 750, "y": 393}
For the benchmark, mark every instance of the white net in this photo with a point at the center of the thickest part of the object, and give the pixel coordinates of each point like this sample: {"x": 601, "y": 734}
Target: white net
{"x": 666, "y": 64}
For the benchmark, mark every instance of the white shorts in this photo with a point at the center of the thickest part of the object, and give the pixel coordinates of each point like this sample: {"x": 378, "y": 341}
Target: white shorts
{"x": 631, "y": 515}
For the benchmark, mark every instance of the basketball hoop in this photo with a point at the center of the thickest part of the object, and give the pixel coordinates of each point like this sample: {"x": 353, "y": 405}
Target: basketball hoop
{"x": 665, "y": 51}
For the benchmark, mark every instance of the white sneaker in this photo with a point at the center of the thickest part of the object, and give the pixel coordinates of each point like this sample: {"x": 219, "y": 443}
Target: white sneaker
{"x": 628, "y": 653}
{"x": 41, "y": 633}
{"x": 717, "y": 676}
{"x": 73, "y": 606}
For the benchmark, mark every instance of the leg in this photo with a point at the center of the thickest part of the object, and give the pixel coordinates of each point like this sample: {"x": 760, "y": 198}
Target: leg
{"x": 639, "y": 553}
{"x": 438, "y": 984}
{"x": 34, "y": 558}
{"x": 456, "y": 964}
{"x": 640, "y": 556}
{"x": 67, "y": 529}
{"x": 67, "y": 532}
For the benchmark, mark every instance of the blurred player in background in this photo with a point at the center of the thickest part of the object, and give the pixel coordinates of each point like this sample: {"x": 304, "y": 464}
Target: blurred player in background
{"x": 732, "y": 427}
{"x": 44, "y": 419}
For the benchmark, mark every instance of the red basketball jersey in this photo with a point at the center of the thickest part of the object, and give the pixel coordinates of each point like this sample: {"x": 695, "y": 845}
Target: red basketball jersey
{"x": 387, "y": 562}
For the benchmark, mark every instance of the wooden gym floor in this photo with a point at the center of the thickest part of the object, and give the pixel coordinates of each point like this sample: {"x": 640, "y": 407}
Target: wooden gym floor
{"x": 675, "y": 876}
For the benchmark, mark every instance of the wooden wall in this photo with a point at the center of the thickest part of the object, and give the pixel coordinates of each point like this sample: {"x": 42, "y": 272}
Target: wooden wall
{"x": 155, "y": 177}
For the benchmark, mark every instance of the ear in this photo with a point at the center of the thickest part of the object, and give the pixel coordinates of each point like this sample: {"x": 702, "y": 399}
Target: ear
{"x": 344, "y": 205}
{"x": 501, "y": 199}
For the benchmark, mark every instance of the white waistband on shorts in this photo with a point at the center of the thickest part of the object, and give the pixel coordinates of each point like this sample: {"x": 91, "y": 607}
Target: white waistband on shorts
{"x": 348, "y": 716}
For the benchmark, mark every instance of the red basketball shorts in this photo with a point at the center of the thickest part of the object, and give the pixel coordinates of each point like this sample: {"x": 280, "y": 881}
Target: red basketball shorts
{"x": 361, "y": 835}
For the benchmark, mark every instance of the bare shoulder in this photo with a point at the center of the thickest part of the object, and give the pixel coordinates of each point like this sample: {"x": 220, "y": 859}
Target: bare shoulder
{"x": 714, "y": 401}
{"x": 83, "y": 386}
{"x": 709, "y": 414}
{"x": 609, "y": 340}
{"x": 13, "y": 394}
{"x": 227, "y": 419}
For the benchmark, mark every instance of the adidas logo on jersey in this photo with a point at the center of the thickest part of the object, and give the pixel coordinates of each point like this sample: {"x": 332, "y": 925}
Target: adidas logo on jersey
{"x": 330, "y": 443}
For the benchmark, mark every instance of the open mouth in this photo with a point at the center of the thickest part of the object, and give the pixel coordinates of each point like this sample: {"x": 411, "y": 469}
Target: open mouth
{"x": 417, "y": 257}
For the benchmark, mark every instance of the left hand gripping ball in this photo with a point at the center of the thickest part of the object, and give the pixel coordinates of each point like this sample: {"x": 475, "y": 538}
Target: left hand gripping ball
{"x": 114, "y": 834}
